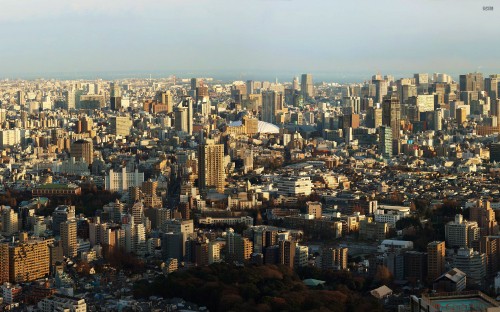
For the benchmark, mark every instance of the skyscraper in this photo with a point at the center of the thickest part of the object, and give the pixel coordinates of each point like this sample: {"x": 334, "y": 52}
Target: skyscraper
{"x": 391, "y": 115}
{"x": 115, "y": 96}
{"x": 211, "y": 173}
{"x": 168, "y": 99}
{"x": 307, "y": 86}
{"x": 472, "y": 82}
{"x": 269, "y": 106}
{"x": 435, "y": 260}
{"x": 183, "y": 114}
{"x": 83, "y": 149}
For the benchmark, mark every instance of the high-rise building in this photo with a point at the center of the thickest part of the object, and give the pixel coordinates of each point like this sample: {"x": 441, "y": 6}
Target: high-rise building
{"x": 287, "y": 252}
{"x": 168, "y": 99}
{"x": 238, "y": 248}
{"x": 385, "y": 142}
{"x": 61, "y": 214}
{"x": 461, "y": 233}
{"x": 9, "y": 218}
{"x": 122, "y": 181}
{"x": 334, "y": 258}
{"x": 461, "y": 114}
{"x": 115, "y": 96}
{"x": 491, "y": 86}
{"x": 211, "y": 173}
{"x": 4, "y": 263}
{"x": 83, "y": 149}
{"x": 29, "y": 259}
{"x": 435, "y": 260}
{"x": 472, "y": 263}
{"x": 495, "y": 152}
{"x": 250, "y": 87}
{"x": 472, "y": 82}
{"x": 183, "y": 115}
{"x": 120, "y": 125}
{"x": 301, "y": 256}
{"x": 271, "y": 105}
{"x": 307, "y": 86}
{"x": 391, "y": 115}
{"x": 484, "y": 215}
{"x": 68, "y": 238}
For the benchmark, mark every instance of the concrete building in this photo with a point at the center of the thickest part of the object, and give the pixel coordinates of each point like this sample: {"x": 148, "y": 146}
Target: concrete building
{"x": 461, "y": 233}
{"x": 83, "y": 149}
{"x": 121, "y": 181}
{"x": 211, "y": 173}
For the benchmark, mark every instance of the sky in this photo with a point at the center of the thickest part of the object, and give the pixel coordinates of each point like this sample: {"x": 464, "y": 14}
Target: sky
{"x": 248, "y": 38}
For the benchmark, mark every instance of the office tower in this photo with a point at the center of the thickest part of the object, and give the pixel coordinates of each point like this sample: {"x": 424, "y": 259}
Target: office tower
{"x": 472, "y": 82}
{"x": 495, "y": 152}
{"x": 61, "y": 214}
{"x": 69, "y": 99}
{"x": 68, "y": 238}
{"x": 172, "y": 246}
{"x": 287, "y": 252}
{"x": 461, "y": 114}
{"x": 391, "y": 115}
{"x": 374, "y": 117}
{"x": 183, "y": 115}
{"x": 380, "y": 86}
{"x": 250, "y": 86}
{"x": 211, "y": 173}
{"x": 461, "y": 233}
{"x": 491, "y": 86}
{"x": 9, "y": 218}
{"x": 334, "y": 258}
{"x": 195, "y": 83}
{"x": 115, "y": 96}
{"x": 168, "y": 99}
{"x": 435, "y": 259}
{"x": 406, "y": 91}
{"x": 272, "y": 104}
{"x": 307, "y": 86}
{"x": 120, "y": 125}
{"x": 83, "y": 149}
{"x": 238, "y": 248}
{"x": 29, "y": 259}
{"x": 385, "y": 142}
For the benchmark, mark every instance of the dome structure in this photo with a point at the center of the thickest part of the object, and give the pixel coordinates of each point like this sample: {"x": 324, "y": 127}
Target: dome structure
{"x": 263, "y": 127}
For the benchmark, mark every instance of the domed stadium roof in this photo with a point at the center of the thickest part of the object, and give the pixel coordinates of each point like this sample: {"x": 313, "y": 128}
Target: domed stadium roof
{"x": 264, "y": 127}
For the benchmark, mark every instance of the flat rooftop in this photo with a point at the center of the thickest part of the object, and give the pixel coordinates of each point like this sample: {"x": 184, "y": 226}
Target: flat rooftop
{"x": 461, "y": 301}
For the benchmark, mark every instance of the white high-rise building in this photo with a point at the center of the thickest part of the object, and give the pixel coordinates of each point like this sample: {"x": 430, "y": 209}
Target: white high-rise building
{"x": 461, "y": 233}
{"x": 121, "y": 181}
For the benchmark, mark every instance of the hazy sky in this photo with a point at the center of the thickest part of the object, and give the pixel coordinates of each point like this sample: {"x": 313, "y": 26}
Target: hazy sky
{"x": 249, "y": 36}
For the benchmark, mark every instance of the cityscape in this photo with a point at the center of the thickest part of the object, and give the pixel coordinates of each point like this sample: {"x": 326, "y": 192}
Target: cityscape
{"x": 141, "y": 194}
{"x": 190, "y": 155}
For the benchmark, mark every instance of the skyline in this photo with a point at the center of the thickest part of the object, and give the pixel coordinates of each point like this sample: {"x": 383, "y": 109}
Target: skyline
{"x": 213, "y": 37}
